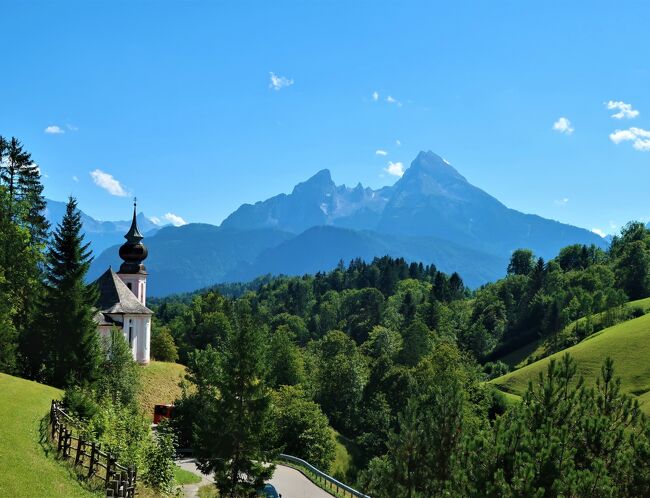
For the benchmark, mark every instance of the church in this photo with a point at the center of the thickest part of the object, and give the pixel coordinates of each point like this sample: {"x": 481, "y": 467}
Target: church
{"x": 122, "y": 299}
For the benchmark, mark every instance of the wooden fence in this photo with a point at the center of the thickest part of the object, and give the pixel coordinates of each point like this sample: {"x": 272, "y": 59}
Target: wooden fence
{"x": 89, "y": 459}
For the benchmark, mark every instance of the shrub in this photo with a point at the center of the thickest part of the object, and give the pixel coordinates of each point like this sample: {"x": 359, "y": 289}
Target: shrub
{"x": 163, "y": 347}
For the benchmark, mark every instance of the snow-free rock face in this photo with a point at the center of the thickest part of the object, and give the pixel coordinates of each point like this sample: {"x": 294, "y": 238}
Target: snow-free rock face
{"x": 431, "y": 199}
{"x": 317, "y": 201}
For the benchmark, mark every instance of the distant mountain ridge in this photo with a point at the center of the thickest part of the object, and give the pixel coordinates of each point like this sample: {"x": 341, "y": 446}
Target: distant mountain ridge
{"x": 431, "y": 214}
{"x": 100, "y": 234}
{"x": 430, "y": 199}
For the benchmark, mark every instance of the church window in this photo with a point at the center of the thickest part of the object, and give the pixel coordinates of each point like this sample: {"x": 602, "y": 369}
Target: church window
{"x": 130, "y": 334}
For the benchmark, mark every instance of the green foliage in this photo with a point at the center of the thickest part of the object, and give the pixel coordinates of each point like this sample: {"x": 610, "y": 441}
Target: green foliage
{"x": 233, "y": 429}
{"x": 564, "y": 440}
{"x": 285, "y": 360}
{"x": 119, "y": 374}
{"x": 23, "y": 232}
{"x": 522, "y": 262}
{"x": 423, "y": 449}
{"x": 163, "y": 347}
{"x": 340, "y": 377}
{"x": 159, "y": 458}
{"x": 71, "y": 351}
{"x": 302, "y": 428}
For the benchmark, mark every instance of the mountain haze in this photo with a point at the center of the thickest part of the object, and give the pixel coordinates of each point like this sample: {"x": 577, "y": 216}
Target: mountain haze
{"x": 431, "y": 214}
{"x": 100, "y": 234}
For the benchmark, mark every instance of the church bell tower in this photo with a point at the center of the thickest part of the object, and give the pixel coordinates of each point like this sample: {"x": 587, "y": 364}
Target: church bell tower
{"x": 133, "y": 252}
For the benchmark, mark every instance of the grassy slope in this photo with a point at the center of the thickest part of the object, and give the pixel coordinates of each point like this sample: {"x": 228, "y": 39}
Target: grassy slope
{"x": 535, "y": 349}
{"x": 628, "y": 344}
{"x": 25, "y": 469}
{"x": 159, "y": 385}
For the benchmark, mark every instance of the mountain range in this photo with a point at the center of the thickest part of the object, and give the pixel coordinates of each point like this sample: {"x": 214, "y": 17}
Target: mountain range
{"x": 100, "y": 234}
{"x": 431, "y": 214}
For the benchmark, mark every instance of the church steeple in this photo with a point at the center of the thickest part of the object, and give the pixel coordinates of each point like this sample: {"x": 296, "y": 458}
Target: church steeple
{"x": 133, "y": 251}
{"x": 133, "y": 235}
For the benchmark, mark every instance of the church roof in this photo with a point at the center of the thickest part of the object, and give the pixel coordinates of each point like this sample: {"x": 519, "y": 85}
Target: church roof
{"x": 116, "y": 297}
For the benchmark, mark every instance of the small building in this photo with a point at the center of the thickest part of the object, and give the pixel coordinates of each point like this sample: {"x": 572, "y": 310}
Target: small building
{"x": 122, "y": 296}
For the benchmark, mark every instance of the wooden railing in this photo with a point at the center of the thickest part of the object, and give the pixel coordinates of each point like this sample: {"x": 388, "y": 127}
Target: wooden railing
{"x": 89, "y": 459}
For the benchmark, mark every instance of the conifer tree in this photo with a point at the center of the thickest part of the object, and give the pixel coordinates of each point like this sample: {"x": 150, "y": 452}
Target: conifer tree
{"x": 234, "y": 427}
{"x": 70, "y": 345}
{"x": 23, "y": 232}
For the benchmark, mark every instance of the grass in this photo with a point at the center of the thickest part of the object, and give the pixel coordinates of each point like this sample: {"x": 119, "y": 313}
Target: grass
{"x": 539, "y": 348}
{"x": 182, "y": 477}
{"x": 160, "y": 385}
{"x": 208, "y": 491}
{"x": 26, "y": 470}
{"x": 344, "y": 466}
{"x": 627, "y": 343}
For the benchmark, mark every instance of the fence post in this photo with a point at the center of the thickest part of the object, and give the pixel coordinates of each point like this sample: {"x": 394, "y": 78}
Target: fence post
{"x": 60, "y": 442}
{"x": 81, "y": 446}
{"x": 109, "y": 465}
{"x": 67, "y": 443}
{"x": 91, "y": 467}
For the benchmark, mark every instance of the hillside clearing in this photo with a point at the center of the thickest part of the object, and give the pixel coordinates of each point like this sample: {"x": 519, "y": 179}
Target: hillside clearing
{"x": 160, "y": 385}
{"x": 25, "y": 468}
{"x": 627, "y": 343}
{"x": 538, "y": 348}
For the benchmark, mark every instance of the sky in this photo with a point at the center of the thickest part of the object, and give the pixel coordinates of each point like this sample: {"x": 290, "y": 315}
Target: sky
{"x": 197, "y": 107}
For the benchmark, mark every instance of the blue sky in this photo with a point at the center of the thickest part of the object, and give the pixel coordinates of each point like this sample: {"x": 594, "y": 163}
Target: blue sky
{"x": 175, "y": 101}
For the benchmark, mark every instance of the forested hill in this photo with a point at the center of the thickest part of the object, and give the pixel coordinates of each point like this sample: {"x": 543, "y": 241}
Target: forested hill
{"x": 388, "y": 347}
{"x": 431, "y": 214}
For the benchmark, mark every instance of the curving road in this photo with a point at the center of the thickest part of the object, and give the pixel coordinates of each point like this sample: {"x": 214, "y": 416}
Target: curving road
{"x": 288, "y": 482}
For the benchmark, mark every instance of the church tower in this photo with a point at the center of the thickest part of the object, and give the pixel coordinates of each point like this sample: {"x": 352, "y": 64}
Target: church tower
{"x": 133, "y": 252}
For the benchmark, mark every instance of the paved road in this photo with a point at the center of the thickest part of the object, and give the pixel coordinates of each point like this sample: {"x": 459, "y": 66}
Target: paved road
{"x": 292, "y": 484}
{"x": 287, "y": 481}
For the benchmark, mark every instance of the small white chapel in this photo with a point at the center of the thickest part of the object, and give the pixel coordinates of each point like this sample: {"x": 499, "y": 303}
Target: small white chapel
{"x": 122, "y": 299}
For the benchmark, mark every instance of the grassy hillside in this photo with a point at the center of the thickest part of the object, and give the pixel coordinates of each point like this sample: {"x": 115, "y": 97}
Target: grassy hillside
{"x": 627, "y": 343}
{"x": 539, "y": 348}
{"x": 25, "y": 469}
{"x": 159, "y": 385}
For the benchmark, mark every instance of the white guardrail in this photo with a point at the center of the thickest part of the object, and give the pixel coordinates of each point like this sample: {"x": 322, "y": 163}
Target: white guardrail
{"x": 322, "y": 475}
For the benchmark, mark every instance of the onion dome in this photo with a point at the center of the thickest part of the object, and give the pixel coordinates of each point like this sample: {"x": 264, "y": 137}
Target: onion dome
{"x": 133, "y": 251}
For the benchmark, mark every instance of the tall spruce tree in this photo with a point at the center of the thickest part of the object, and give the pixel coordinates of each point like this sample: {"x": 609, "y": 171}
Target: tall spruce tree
{"x": 233, "y": 437}
{"x": 71, "y": 345}
{"x": 23, "y": 233}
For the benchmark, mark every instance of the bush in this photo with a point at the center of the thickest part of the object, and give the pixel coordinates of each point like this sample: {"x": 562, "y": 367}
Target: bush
{"x": 302, "y": 428}
{"x": 80, "y": 403}
{"x": 159, "y": 460}
{"x": 163, "y": 347}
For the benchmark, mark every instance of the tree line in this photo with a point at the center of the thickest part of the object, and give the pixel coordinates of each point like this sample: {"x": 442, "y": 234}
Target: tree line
{"x": 395, "y": 356}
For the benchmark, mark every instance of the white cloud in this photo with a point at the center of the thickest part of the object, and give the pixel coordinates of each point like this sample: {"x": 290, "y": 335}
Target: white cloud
{"x": 563, "y": 125}
{"x": 54, "y": 130}
{"x": 108, "y": 183}
{"x": 395, "y": 169}
{"x": 392, "y": 100}
{"x": 599, "y": 232}
{"x": 639, "y": 137}
{"x": 375, "y": 96}
{"x": 398, "y": 143}
{"x": 381, "y": 152}
{"x": 75, "y": 178}
{"x": 561, "y": 202}
{"x": 71, "y": 127}
{"x": 155, "y": 220}
{"x": 174, "y": 219}
{"x": 624, "y": 110}
{"x": 279, "y": 82}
